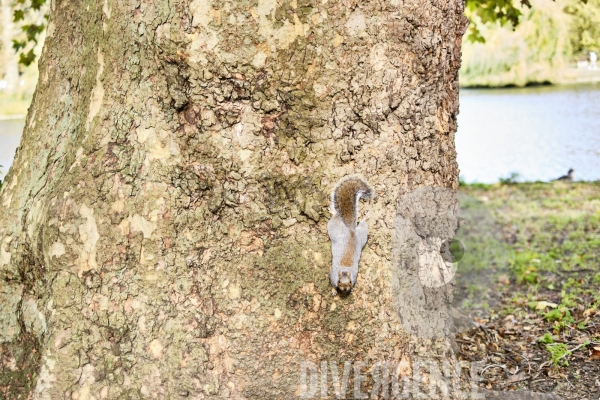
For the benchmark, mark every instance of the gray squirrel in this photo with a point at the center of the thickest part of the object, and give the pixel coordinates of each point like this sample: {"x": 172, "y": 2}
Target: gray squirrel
{"x": 347, "y": 238}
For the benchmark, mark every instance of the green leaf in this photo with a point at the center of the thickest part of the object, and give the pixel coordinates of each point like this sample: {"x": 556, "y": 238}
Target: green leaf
{"x": 23, "y": 10}
{"x": 27, "y": 58}
{"x": 37, "y": 4}
{"x": 490, "y": 11}
{"x": 18, "y": 44}
{"x": 18, "y": 15}
{"x": 32, "y": 31}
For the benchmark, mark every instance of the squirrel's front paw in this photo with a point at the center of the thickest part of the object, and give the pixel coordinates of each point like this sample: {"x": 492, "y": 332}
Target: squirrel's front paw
{"x": 334, "y": 291}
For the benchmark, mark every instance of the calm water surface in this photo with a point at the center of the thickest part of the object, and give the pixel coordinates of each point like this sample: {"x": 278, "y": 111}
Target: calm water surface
{"x": 537, "y": 132}
{"x": 10, "y": 134}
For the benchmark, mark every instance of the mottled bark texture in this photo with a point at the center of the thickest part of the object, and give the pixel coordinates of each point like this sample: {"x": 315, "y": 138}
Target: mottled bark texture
{"x": 163, "y": 227}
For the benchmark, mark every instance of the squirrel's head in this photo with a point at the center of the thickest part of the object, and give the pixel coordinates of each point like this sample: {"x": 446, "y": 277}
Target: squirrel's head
{"x": 344, "y": 282}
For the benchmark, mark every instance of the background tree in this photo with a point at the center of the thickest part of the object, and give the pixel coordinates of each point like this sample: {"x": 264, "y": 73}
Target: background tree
{"x": 31, "y": 17}
{"x": 9, "y": 69}
{"x": 164, "y": 224}
{"x": 585, "y": 30}
{"x": 504, "y": 12}
{"x": 538, "y": 50}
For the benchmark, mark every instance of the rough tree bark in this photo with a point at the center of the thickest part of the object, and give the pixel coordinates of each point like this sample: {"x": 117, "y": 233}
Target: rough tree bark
{"x": 163, "y": 231}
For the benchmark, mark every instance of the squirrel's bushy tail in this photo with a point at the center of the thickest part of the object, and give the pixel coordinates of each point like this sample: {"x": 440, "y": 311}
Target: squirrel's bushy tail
{"x": 345, "y": 197}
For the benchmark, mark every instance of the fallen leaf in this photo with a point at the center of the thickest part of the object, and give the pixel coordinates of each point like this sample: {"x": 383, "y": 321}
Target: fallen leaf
{"x": 595, "y": 353}
{"x": 589, "y": 312}
{"x": 543, "y": 304}
{"x": 517, "y": 378}
{"x": 582, "y": 339}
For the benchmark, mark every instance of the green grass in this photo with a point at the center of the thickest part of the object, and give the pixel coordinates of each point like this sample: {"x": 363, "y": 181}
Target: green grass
{"x": 558, "y": 353}
{"x": 554, "y": 264}
{"x": 554, "y": 254}
{"x": 562, "y": 315}
{"x": 546, "y": 339}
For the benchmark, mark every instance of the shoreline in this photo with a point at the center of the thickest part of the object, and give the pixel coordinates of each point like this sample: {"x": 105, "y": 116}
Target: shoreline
{"x": 12, "y": 117}
{"x": 568, "y": 76}
{"x": 579, "y": 75}
{"x": 525, "y": 184}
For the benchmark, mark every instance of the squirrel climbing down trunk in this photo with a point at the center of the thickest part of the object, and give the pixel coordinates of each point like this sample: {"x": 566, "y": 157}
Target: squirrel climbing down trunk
{"x": 347, "y": 238}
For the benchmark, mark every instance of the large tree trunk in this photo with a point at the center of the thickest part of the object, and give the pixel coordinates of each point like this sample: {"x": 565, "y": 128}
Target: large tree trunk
{"x": 163, "y": 231}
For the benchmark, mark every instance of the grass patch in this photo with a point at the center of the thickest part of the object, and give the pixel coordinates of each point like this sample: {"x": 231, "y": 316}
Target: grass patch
{"x": 551, "y": 292}
{"x": 546, "y": 339}
{"x": 558, "y": 353}
{"x": 553, "y": 231}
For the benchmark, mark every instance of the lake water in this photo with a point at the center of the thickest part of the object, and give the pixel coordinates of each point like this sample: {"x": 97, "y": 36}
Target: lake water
{"x": 538, "y": 132}
{"x": 10, "y": 135}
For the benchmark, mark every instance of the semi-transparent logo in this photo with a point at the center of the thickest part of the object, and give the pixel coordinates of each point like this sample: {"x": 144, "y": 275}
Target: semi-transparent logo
{"x": 448, "y": 254}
